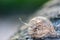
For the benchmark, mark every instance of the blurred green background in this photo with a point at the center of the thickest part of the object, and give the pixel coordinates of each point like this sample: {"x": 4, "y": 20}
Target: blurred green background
{"x": 20, "y": 8}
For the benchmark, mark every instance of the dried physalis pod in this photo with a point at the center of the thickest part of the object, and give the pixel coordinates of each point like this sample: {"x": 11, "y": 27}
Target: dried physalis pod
{"x": 40, "y": 27}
